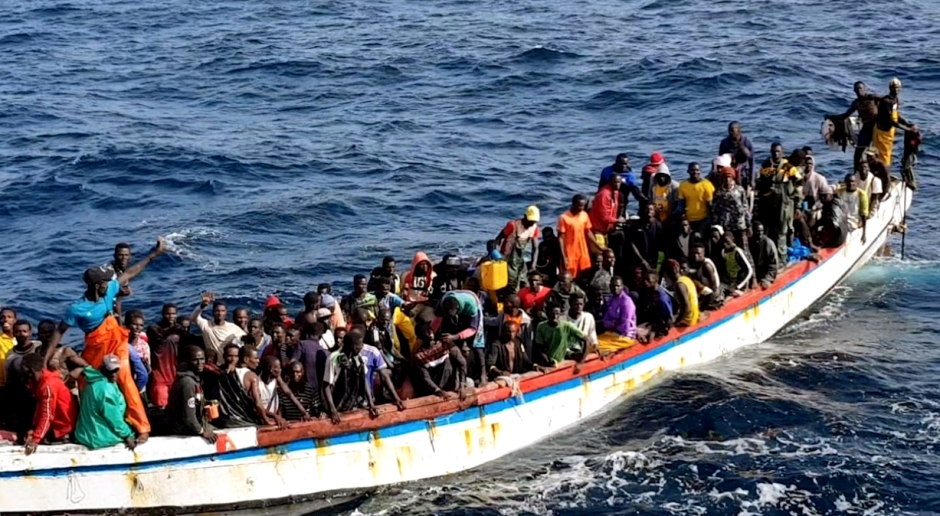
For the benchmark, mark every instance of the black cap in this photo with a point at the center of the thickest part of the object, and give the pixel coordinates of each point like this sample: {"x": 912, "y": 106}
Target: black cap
{"x": 97, "y": 275}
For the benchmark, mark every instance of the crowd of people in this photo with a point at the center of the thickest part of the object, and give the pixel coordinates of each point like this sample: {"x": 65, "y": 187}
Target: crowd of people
{"x": 600, "y": 281}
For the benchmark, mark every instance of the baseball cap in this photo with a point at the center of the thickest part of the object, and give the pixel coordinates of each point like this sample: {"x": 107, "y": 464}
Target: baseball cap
{"x": 97, "y": 274}
{"x": 110, "y": 363}
{"x": 532, "y": 213}
{"x": 656, "y": 159}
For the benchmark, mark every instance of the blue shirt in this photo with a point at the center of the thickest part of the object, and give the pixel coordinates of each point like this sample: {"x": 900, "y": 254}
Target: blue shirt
{"x": 138, "y": 369}
{"x": 627, "y": 176}
{"x": 88, "y": 315}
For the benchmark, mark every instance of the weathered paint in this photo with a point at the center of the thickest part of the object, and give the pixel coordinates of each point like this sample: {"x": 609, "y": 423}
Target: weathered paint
{"x": 431, "y": 438}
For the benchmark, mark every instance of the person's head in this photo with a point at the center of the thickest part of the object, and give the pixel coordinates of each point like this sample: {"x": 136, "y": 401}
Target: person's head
{"x": 7, "y": 319}
{"x": 361, "y": 317}
{"x": 219, "y": 311}
{"x": 860, "y": 89}
{"x": 185, "y": 323}
{"x": 553, "y": 312}
{"x": 193, "y": 357}
{"x": 293, "y": 336}
{"x": 311, "y": 301}
{"x": 97, "y": 280}
{"x": 388, "y": 265}
{"x": 535, "y": 281}
{"x": 621, "y": 162}
{"x": 122, "y": 256}
{"x": 697, "y": 253}
{"x": 472, "y": 284}
{"x": 578, "y": 202}
{"x": 324, "y": 288}
{"x": 616, "y": 181}
{"x": 360, "y": 285}
{"x": 636, "y": 275}
{"x": 809, "y": 164}
{"x": 734, "y": 130}
{"x": 597, "y": 261}
{"x": 616, "y": 285}
{"x": 727, "y": 181}
{"x": 282, "y": 313}
{"x": 685, "y": 227}
{"x": 383, "y": 317}
{"x": 450, "y": 306}
{"x": 715, "y": 234}
{"x": 671, "y": 269}
{"x": 452, "y": 264}
{"x": 663, "y": 179}
{"x": 339, "y": 334}
{"x": 383, "y": 286}
{"x": 826, "y": 194}
{"x": 298, "y": 374}
{"x": 352, "y": 343}
{"x": 531, "y": 217}
{"x": 894, "y": 87}
{"x": 863, "y": 170}
{"x": 134, "y": 322}
{"x": 278, "y": 333}
{"x": 110, "y": 367}
{"x": 512, "y": 304}
{"x": 651, "y": 280}
{"x": 256, "y": 327}
{"x": 609, "y": 259}
{"x": 240, "y": 317}
{"x": 565, "y": 279}
{"x": 230, "y": 355}
{"x": 576, "y": 304}
{"x": 797, "y": 158}
{"x": 169, "y": 313}
{"x": 807, "y": 151}
{"x": 45, "y": 330}
{"x": 757, "y": 229}
{"x": 248, "y": 357}
{"x": 850, "y": 184}
{"x": 695, "y": 171}
{"x": 22, "y": 332}
{"x": 727, "y": 241}
{"x": 648, "y": 213}
{"x": 271, "y": 366}
{"x": 32, "y": 365}
{"x": 548, "y": 234}
{"x": 776, "y": 151}
{"x": 312, "y": 328}
{"x": 508, "y": 332}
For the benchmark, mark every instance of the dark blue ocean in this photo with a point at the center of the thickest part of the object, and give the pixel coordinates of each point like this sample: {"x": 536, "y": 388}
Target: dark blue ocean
{"x": 279, "y": 144}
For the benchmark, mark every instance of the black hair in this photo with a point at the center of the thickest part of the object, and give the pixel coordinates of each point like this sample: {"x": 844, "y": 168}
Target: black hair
{"x": 8, "y": 309}
{"x": 732, "y": 124}
{"x": 45, "y": 323}
{"x": 383, "y": 280}
{"x": 578, "y": 198}
{"x": 232, "y": 345}
{"x": 357, "y": 278}
{"x": 387, "y": 260}
{"x": 187, "y": 353}
{"x": 244, "y": 352}
{"x": 239, "y": 309}
{"x": 130, "y": 315}
{"x": 575, "y": 296}
{"x": 167, "y": 306}
{"x": 325, "y": 287}
{"x": 22, "y": 322}
{"x": 33, "y": 362}
{"x": 622, "y": 155}
{"x": 122, "y": 245}
{"x": 218, "y": 304}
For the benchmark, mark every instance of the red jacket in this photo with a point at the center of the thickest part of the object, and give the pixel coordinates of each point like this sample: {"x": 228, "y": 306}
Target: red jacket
{"x": 604, "y": 209}
{"x": 56, "y": 410}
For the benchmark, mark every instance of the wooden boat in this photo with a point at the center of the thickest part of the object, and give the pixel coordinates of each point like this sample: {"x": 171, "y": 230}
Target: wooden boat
{"x": 256, "y": 467}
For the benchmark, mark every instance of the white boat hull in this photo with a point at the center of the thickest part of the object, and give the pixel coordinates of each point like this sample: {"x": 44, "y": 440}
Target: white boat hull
{"x": 173, "y": 474}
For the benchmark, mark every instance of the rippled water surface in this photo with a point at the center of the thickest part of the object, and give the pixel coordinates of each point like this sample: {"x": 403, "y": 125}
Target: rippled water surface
{"x": 281, "y": 144}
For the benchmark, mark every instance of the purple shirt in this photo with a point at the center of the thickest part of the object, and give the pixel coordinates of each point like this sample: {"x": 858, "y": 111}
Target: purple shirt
{"x": 620, "y": 316}
{"x": 313, "y": 357}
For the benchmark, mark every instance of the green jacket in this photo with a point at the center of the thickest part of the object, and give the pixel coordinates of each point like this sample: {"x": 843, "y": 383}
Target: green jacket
{"x": 101, "y": 413}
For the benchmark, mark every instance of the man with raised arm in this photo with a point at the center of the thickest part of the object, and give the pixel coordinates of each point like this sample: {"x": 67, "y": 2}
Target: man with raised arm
{"x": 218, "y": 332}
{"x": 104, "y": 335}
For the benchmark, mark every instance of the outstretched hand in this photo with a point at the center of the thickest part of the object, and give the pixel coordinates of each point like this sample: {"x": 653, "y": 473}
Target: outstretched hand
{"x": 207, "y": 298}
{"x": 161, "y": 246}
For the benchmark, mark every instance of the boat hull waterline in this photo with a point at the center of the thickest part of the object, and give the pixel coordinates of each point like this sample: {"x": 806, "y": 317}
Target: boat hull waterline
{"x": 253, "y": 467}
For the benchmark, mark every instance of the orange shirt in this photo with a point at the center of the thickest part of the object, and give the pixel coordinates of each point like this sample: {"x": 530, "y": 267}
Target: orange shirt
{"x": 573, "y": 232}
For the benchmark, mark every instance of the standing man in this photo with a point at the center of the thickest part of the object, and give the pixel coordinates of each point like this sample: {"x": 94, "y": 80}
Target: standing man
{"x": 867, "y": 106}
{"x": 103, "y": 333}
{"x": 512, "y": 242}
{"x": 574, "y": 231}
{"x": 217, "y": 333}
{"x": 622, "y": 166}
{"x": 695, "y": 198}
{"x": 740, "y": 148}
{"x": 777, "y": 190}
{"x": 122, "y": 258}
{"x": 889, "y": 118}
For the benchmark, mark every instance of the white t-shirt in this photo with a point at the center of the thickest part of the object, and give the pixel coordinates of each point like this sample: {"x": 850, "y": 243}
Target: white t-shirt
{"x": 871, "y": 185}
{"x": 217, "y": 336}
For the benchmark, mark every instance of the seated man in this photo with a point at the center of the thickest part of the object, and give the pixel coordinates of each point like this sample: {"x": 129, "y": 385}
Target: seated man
{"x": 678, "y": 244}
{"x": 236, "y": 405}
{"x": 344, "y": 380}
{"x": 832, "y": 228}
{"x": 512, "y": 314}
{"x": 738, "y": 270}
{"x": 19, "y": 403}
{"x": 360, "y": 297}
{"x": 384, "y": 296}
{"x": 871, "y": 185}
{"x": 556, "y": 340}
{"x": 440, "y": 367}
{"x": 562, "y": 291}
{"x": 56, "y": 410}
{"x": 764, "y": 253}
{"x": 619, "y": 320}
{"x": 387, "y": 271}
{"x": 309, "y": 406}
{"x": 584, "y": 321}
{"x": 685, "y": 294}
{"x": 655, "y": 309}
{"x": 507, "y": 357}
{"x": 461, "y": 323}
{"x": 533, "y": 297}
{"x": 101, "y": 411}
{"x": 185, "y": 412}
{"x": 597, "y": 277}
{"x": 704, "y": 273}
{"x": 644, "y": 239}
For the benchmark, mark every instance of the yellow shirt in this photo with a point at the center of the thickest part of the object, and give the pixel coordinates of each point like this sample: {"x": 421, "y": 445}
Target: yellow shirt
{"x": 692, "y": 317}
{"x": 6, "y": 344}
{"x": 697, "y": 196}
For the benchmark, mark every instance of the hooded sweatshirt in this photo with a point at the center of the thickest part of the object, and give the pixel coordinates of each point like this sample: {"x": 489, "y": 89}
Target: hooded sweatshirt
{"x": 665, "y": 198}
{"x": 101, "y": 413}
{"x": 415, "y": 289}
{"x": 649, "y": 171}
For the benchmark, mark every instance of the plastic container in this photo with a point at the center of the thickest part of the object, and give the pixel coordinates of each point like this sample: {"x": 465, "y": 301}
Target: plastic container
{"x": 494, "y": 275}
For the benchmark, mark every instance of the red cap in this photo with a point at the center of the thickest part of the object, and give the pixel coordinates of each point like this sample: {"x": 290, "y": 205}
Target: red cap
{"x": 656, "y": 159}
{"x": 272, "y": 301}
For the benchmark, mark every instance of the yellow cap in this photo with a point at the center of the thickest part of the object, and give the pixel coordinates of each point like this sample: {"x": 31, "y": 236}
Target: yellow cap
{"x": 532, "y": 213}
